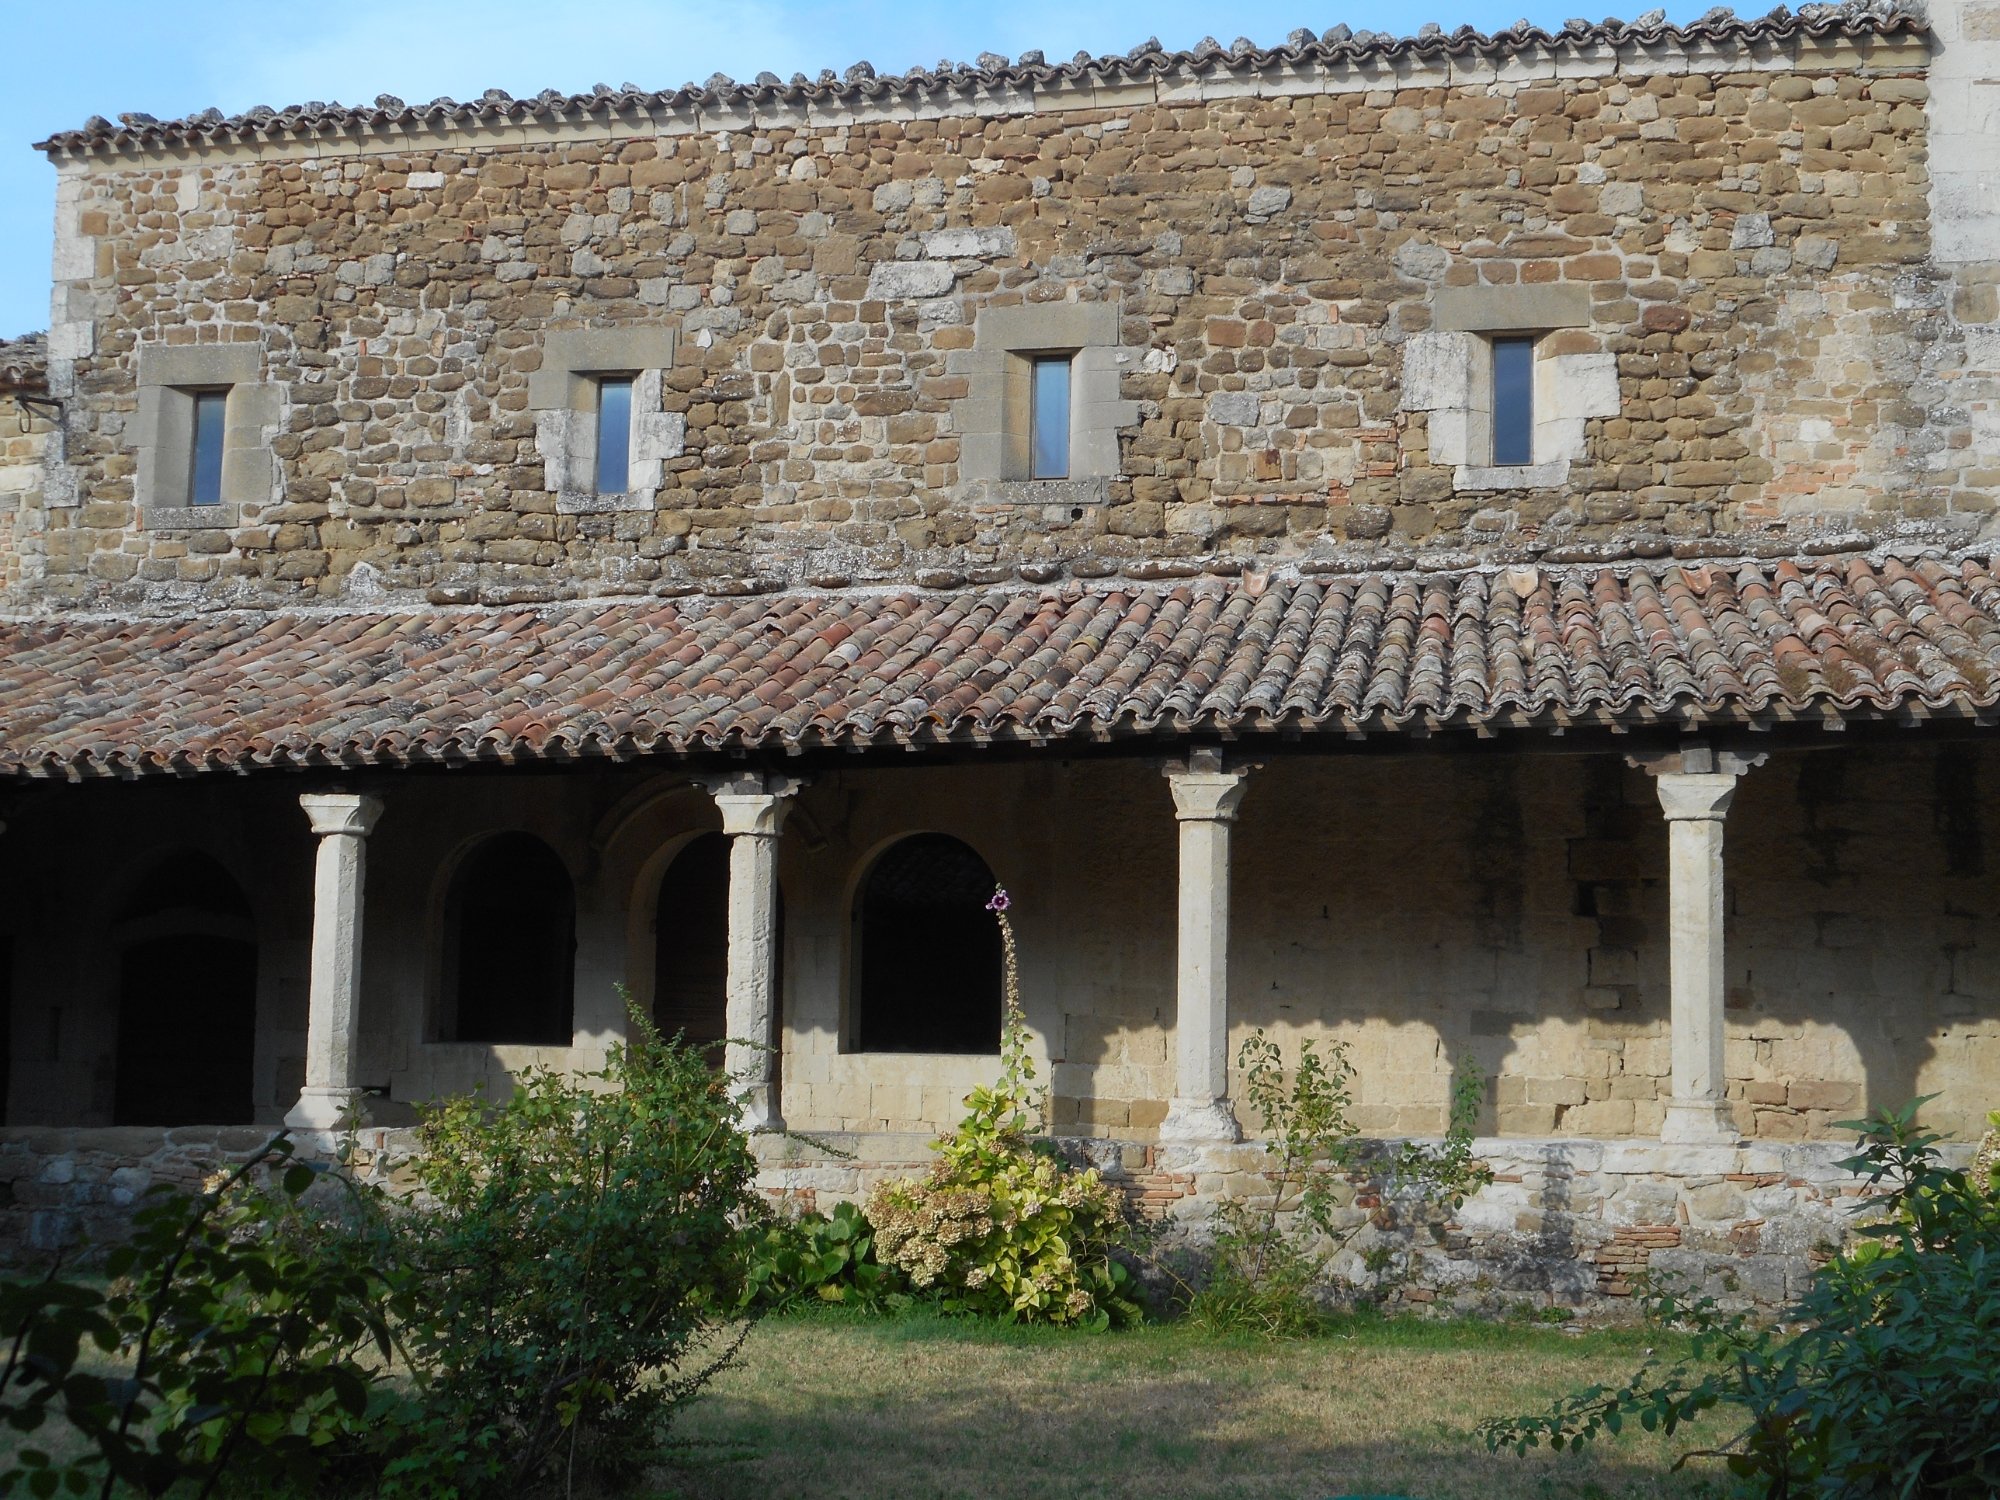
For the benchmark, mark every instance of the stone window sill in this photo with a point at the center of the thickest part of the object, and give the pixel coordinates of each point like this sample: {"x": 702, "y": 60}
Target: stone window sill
{"x": 576, "y": 503}
{"x": 940, "y": 1057}
{"x": 1511, "y": 476}
{"x": 1093, "y": 491}
{"x": 191, "y": 517}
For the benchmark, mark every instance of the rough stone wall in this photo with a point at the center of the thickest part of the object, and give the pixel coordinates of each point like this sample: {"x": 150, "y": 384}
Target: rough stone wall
{"x": 1565, "y": 1223}
{"x": 1752, "y": 237}
{"x": 1506, "y": 911}
{"x": 24, "y": 436}
{"x": 1510, "y": 913}
{"x": 60, "y": 1189}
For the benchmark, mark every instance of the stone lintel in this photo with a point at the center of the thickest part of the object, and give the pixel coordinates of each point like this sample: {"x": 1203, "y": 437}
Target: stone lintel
{"x": 1509, "y": 309}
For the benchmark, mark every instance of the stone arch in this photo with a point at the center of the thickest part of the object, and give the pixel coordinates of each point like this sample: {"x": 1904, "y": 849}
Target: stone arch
{"x": 924, "y": 971}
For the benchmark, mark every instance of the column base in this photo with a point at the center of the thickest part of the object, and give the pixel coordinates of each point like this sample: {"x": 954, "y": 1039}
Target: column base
{"x": 1200, "y": 1120}
{"x": 328, "y": 1109}
{"x": 760, "y": 1108}
{"x": 1703, "y": 1122}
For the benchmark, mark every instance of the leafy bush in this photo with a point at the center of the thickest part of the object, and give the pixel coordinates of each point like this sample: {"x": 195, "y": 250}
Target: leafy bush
{"x": 1889, "y": 1388}
{"x": 564, "y": 1280}
{"x": 580, "y": 1258}
{"x": 258, "y": 1336}
{"x": 1001, "y": 1226}
{"x": 1271, "y": 1254}
{"x": 820, "y": 1258}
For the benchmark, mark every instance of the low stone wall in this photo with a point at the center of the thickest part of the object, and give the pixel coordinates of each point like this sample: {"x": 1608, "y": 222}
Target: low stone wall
{"x": 63, "y": 1190}
{"x": 1565, "y": 1223}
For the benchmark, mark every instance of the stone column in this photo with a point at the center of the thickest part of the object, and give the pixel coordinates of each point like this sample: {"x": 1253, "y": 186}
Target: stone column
{"x": 332, "y": 1095}
{"x": 1696, "y": 787}
{"x": 753, "y": 810}
{"x": 1205, "y": 800}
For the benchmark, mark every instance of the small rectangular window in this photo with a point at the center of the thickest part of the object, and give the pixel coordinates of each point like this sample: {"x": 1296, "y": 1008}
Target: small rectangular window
{"x": 205, "y": 467}
{"x": 1513, "y": 401}
{"x": 1049, "y": 417}
{"x": 614, "y": 435}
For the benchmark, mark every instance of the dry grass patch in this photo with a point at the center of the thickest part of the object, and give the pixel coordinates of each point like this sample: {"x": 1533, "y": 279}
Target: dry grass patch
{"x": 834, "y": 1407}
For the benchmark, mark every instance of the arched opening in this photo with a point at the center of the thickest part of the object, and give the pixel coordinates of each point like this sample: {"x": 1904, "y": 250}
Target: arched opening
{"x": 691, "y": 944}
{"x": 187, "y": 999}
{"x": 510, "y": 946}
{"x": 927, "y": 961}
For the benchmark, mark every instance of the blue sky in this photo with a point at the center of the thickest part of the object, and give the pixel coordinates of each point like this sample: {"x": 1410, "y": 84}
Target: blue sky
{"x": 74, "y": 60}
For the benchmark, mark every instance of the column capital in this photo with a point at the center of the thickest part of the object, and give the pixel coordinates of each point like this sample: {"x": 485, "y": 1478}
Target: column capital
{"x": 1205, "y": 790}
{"x": 352, "y": 813}
{"x": 752, "y": 803}
{"x": 1695, "y": 796}
{"x": 1696, "y": 781}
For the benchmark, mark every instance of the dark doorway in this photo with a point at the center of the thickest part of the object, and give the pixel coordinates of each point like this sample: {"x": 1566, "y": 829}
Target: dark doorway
{"x": 928, "y": 959}
{"x": 187, "y": 998}
{"x": 691, "y": 945}
{"x": 510, "y": 930}
{"x": 187, "y": 1031}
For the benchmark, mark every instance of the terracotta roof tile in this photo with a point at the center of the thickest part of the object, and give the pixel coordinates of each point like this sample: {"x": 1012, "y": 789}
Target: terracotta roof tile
{"x": 1513, "y": 649}
{"x": 860, "y": 85}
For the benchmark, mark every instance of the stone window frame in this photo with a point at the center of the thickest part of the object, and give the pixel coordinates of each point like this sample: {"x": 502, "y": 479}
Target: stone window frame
{"x": 993, "y": 417}
{"x": 1448, "y": 373}
{"x": 562, "y": 394}
{"x": 169, "y": 379}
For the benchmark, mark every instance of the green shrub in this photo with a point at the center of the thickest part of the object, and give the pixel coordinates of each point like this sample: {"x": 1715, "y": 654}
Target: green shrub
{"x": 254, "y": 1339}
{"x": 1888, "y": 1388}
{"x": 819, "y": 1258}
{"x": 1270, "y": 1255}
{"x": 580, "y": 1257}
{"x": 1001, "y": 1226}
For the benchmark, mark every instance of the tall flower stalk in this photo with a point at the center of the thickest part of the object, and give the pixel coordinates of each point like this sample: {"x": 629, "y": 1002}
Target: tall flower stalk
{"x": 1001, "y": 1226}
{"x": 1015, "y": 1094}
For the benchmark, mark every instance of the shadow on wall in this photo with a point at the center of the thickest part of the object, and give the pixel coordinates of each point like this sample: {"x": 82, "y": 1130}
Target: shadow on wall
{"x": 1509, "y": 911}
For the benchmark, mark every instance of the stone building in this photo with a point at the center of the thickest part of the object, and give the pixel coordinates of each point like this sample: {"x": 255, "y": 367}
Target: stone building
{"x": 1340, "y": 530}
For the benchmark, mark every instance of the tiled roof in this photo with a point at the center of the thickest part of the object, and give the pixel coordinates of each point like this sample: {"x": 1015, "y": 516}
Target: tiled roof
{"x": 1516, "y": 648}
{"x": 860, "y": 86}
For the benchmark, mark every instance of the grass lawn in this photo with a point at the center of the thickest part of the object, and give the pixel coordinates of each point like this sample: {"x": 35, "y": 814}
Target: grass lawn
{"x": 834, "y": 1407}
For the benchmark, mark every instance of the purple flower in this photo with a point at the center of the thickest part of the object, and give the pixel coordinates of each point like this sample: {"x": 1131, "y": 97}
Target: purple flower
{"x": 1001, "y": 900}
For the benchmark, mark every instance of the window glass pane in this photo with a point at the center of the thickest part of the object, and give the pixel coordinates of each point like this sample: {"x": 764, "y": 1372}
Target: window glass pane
{"x": 205, "y": 478}
{"x": 614, "y": 435}
{"x": 1050, "y": 437}
{"x": 1514, "y": 401}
